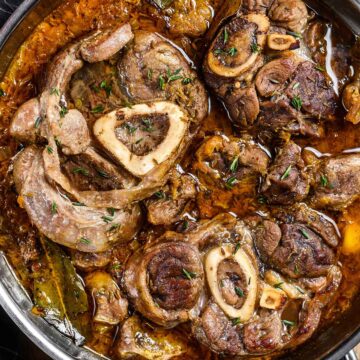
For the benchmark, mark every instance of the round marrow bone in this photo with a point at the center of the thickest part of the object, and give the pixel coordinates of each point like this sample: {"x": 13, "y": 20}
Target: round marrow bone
{"x": 246, "y": 36}
{"x": 104, "y": 130}
{"x": 212, "y": 262}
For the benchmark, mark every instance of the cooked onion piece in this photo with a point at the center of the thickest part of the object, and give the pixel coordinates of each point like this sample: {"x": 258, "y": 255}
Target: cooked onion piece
{"x": 130, "y": 134}
{"x": 238, "y": 45}
{"x": 110, "y": 306}
{"x": 165, "y": 282}
{"x": 224, "y": 289}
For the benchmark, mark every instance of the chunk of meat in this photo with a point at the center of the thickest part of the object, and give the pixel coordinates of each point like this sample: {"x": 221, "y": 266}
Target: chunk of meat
{"x": 217, "y": 332}
{"x": 65, "y": 222}
{"x": 91, "y": 171}
{"x": 297, "y": 245}
{"x": 287, "y": 181}
{"x": 261, "y": 6}
{"x": 264, "y": 333}
{"x": 276, "y": 116}
{"x": 110, "y": 306}
{"x": 233, "y": 60}
{"x": 229, "y": 171}
{"x": 168, "y": 205}
{"x": 164, "y": 282}
{"x": 309, "y": 90}
{"x": 336, "y": 182}
{"x": 290, "y": 14}
{"x": 104, "y": 44}
{"x": 152, "y": 69}
{"x": 89, "y": 262}
{"x": 272, "y": 77}
{"x": 243, "y": 105}
{"x": 74, "y": 137}
{"x": 25, "y": 125}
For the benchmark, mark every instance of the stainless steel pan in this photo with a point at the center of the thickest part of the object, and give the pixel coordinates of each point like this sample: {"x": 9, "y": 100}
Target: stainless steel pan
{"x": 331, "y": 344}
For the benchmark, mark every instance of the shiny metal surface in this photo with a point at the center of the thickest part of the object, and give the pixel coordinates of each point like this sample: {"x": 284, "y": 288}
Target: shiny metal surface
{"x": 331, "y": 344}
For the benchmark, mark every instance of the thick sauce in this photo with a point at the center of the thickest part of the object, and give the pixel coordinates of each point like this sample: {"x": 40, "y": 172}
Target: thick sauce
{"x": 75, "y": 18}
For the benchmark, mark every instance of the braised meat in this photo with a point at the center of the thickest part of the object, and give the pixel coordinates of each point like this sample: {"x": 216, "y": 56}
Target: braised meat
{"x": 336, "y": 182}
{"x": 152, "y": 69}
{"x": 287, "y": 181}
{"x": 68, "y": 222}
{"x": 291, "y": 14}
{"x": 164, "y": 282}
{"x": 168, "y": 205}
{"x": 297, "y": 243}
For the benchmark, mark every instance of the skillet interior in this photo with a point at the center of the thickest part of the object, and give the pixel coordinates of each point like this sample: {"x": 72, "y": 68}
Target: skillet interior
{"x": 332, "y": 343}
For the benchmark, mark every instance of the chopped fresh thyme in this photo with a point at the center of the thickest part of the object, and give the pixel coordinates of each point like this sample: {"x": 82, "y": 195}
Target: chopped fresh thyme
{"x": 239, "y": 292}
{"x": 80, "y": 170}
{"x": 55, "y": 91}
{"x": 320, "y": 68}
{"x": 262, "y": 199}
{"x": 161, "y": 82}
{"x": 150, "y": 73}
{"x": 234, "y": 165}
{"x": 53, "y": 208}
{"x": 296, "y": 102}
{"x": 255, "y": 48}
{"x": 286, "y": 174}
{"x": 111, "y": 211}
{"x": 232, "y": 51}
{"x": 296, "y": 35}
{"x": 63, "y": 110}
{"x": 278, "y": 285}
{"x": 49, "y": 149}
{"x": 106, "y": 87}
{"x": 160, "y": 194}
{"x": 103, "y": 174}
{"x": 289, "y": 323}
{"x": 304, "y": 234}
{"x": 226, "y": 36}
{"x": 107, "y": 219}
{"x": 84, "y": 240}
{"x": 237, "y": 247}
{"x": 236, "y": 321}
{"x": 174, "y": 76}
{"x": 130, "y": 128}
{"x": 37, "y": 122}
{"x": 186, "y": 81}
{"x": 185, "y": 225}
{"x": 97, "y": 109}
{"x": 114, "y": 227}
{"x": 324, "y": 180}
{"x": 231, "y": 182}
{"x": 148, "y": 125}
{"x": 76, "y": 203}
{"x": 188, "y": 274}
{"x": 2, "y": 93}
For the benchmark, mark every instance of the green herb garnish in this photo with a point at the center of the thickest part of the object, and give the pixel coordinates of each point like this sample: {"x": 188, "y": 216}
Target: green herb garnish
{"x": 107, "y": 88}
{"x": 188, "y": 274}
{"x": 107, "y": 219}
{"x": 53, "y": 208}
{"x": 234, "y": 165}
{"x": 231, "y": 182}
{"x": 255, "y": 48}
{"x": 324, "y": 181}
{"x": 63, "y": 111}
{"x": 237, "y": 247}
{"x": 286, "y": 174}
{"x": 150, "y": 73}
{"x": 37, "y": 122}
{"x": 49, "y": 149}
{"x": 161, "y": 82}
{"x": 320, "y": 68}
{"x": 296, "y": 102}
{"x": 186, "y": 81}
{"x": 304, "y": 233}
{"x": 236, "y": 321}
{"x": 289, "y": 323}
{"x": 278, "y": 285}
{"x": 84, "y": 240}
{"x": 114, "y": 227}
{"x": 174, "y": 76}
{"x": 55, "y": 91}
{"x": 103, "y": 174}
{"x": 239, "y": 292}
{"x": 226, "y": 36}
{"x": 97, "y": 109}
{"x": 80, "y": 170}
{"x": 296, "y": 35}
{"x": 111, "y": 211}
